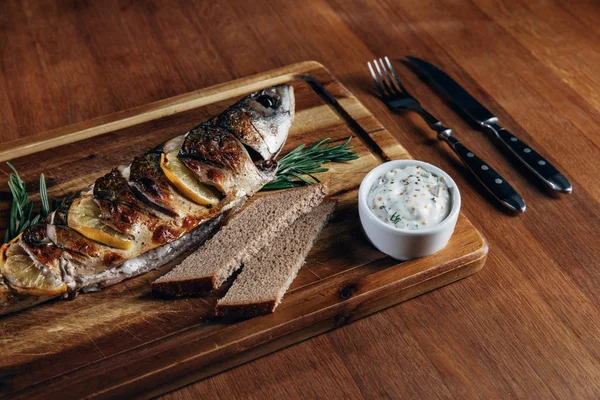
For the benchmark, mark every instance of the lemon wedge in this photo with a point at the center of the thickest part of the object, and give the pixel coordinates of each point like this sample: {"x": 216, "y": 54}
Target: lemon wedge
{"x": 25, "y": 277}
{"x": 84, "y": 217}
{"x": 186, "y": 183}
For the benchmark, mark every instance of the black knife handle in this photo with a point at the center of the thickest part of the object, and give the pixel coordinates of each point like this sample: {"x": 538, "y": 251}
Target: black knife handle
{"x": 537, "y": 164}
{"x": 488, "y": 177}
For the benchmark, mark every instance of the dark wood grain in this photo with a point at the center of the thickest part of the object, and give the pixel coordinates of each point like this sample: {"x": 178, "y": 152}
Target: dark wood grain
{"x": 527, "y": 325}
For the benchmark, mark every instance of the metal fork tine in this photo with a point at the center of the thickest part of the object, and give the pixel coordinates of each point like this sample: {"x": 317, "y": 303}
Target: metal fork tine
{"x": 391, "y": 67}
{"x": 388, "y": 79}
{"x": 382, "y": 80}
{"x": 377, "y": 84}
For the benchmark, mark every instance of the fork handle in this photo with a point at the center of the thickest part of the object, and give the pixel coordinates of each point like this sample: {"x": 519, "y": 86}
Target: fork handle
{"x": 489, "y": 178}
{"x": 537, "y": 164}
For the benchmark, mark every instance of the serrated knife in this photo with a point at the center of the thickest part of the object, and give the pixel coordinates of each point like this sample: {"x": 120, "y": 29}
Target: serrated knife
{"x": 475, "y": 112}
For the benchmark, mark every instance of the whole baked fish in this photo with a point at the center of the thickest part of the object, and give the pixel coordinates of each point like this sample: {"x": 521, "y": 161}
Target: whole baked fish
{"x": 139, "y": 216}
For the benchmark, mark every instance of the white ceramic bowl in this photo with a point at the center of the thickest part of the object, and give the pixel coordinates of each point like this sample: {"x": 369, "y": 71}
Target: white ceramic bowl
{"x": 404, "y": 244}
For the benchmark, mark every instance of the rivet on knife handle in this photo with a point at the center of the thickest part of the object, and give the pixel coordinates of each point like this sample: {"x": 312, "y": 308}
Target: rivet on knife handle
{"x": 532, "y": 160}
{"x": 488, "y": 177}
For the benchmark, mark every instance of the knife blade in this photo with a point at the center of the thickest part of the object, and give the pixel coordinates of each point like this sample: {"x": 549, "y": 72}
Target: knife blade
{"x": 486, "y": 121}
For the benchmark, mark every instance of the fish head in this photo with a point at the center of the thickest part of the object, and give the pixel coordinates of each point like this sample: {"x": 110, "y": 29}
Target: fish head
{"x": 261, "y": 120}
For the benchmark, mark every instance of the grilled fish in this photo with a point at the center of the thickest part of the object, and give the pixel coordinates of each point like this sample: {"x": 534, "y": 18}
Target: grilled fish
{"x": 141, "y": 215}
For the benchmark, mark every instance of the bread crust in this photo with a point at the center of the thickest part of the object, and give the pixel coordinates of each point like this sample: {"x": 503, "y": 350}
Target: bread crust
{"x": 184, "y": 288}
{"x": 246, "y": 310}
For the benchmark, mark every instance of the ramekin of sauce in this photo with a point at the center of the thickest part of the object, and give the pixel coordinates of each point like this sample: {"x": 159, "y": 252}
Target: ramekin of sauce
{"x": 408, "y": 208}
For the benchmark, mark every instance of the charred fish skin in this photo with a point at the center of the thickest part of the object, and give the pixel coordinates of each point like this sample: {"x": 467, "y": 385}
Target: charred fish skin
{"x": 121, "y": 209}
{"x": 212, "y": 146}
{"x": 36, "y": 243}
{"x": 149, "y": 182}
{"x": 60, "y": 215}
{"x": 36, "y": 235}
{"x": 235, "y": 150}
{"x": 44, "y": 255}
{"x": 219, "y": 159}
{"x": 119, "y": 216}
{"x": 114, "y": 187}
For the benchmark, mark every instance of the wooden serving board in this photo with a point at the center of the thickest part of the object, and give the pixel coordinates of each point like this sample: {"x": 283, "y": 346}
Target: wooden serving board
{"x": 122, "y": 342}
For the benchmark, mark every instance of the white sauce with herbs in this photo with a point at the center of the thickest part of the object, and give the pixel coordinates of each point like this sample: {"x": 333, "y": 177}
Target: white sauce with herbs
{"x": 410, "y": 198}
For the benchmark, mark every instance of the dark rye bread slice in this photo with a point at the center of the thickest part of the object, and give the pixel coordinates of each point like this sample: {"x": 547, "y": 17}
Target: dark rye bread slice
{"x": 244, "y": 235}
{"x": 266, "y": 277}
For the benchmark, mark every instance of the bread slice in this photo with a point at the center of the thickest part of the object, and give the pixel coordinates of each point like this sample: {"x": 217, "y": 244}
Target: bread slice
{"x": 243, "y": 236}
{"x": 266, "y": 277}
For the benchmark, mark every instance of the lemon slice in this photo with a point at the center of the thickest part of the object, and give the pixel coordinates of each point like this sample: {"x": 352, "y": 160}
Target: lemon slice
{"x": 25, "y": 277}
{"x": 9, "y": 250}
{"x": 186, "y": 183}
{"x": 84, "y": 217}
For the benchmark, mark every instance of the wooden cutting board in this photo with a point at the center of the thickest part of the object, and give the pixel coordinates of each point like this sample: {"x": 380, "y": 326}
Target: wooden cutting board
{"x": 123, "y": 342}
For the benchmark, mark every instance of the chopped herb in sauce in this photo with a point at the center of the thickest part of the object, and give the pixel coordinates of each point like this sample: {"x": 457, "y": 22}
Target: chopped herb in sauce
{"x": 394, "y": 200}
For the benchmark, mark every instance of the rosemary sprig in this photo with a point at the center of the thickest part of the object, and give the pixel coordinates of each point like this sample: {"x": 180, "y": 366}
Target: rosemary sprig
{"x": 21, "y": 210}
{"x": 297, "y": 168}
{"x": 44, "y": 196}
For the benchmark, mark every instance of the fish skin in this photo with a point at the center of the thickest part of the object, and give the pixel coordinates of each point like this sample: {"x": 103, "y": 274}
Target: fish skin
{"x": 113, "y": 187}
{"x": 218, "y": 158}
{"x": 121, "y": 209}
{"x": 148, "y": 180}
{"x": 214, "y": 146}
{"x": 59, "y": 216}
{"x": 259, "y": 120}
{"x": 73, "y": 241}
{"x": 36, "y": 235}
{"x": 44, "y": 255}
{"x": 253, "y": 130}
{"x": 121, "y": 217}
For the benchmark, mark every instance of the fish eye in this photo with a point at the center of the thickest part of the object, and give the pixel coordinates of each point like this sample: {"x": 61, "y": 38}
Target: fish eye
{"x": 266, "y": 101}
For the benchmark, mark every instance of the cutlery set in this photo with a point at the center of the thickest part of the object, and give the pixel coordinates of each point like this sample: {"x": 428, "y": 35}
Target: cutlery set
{"x": 396, "y": 97}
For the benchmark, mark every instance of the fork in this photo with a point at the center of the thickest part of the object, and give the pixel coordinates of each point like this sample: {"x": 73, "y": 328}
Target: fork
{"x": 396, "y": 97}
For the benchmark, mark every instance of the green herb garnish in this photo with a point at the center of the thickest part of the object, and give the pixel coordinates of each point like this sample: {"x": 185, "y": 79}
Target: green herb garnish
{"x": 21, "y": 210}
{"x": 395, "y": 218}
{"x": 296, "y": 167}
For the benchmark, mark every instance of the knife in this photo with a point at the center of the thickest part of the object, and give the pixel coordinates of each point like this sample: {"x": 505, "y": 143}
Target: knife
{"x": 475, "y": 112}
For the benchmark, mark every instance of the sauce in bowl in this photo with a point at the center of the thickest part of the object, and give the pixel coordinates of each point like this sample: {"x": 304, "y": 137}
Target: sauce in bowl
{"x": 410, "y": 198}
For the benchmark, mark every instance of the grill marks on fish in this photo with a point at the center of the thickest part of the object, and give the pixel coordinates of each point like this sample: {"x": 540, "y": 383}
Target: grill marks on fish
{"x": 233, "y": 152}
{"x": 114, "y": 187}
{"x": 45, "y": 255}
{"x": 36, "y": 243}
{"x": 36, "y": 235}
{"x": 148, "y": 180}
{"x": 121, "y": 209}
{"x": 213, "y": 146}
{"x": 60, "y": 215}
{"x": 120, "y": 217}
{"x": 218, "y": 159}
{"x": 74, "y": 242}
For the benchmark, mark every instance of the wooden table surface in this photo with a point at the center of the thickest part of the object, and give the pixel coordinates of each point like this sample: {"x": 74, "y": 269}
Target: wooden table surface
{"x": 527, "y": 325}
